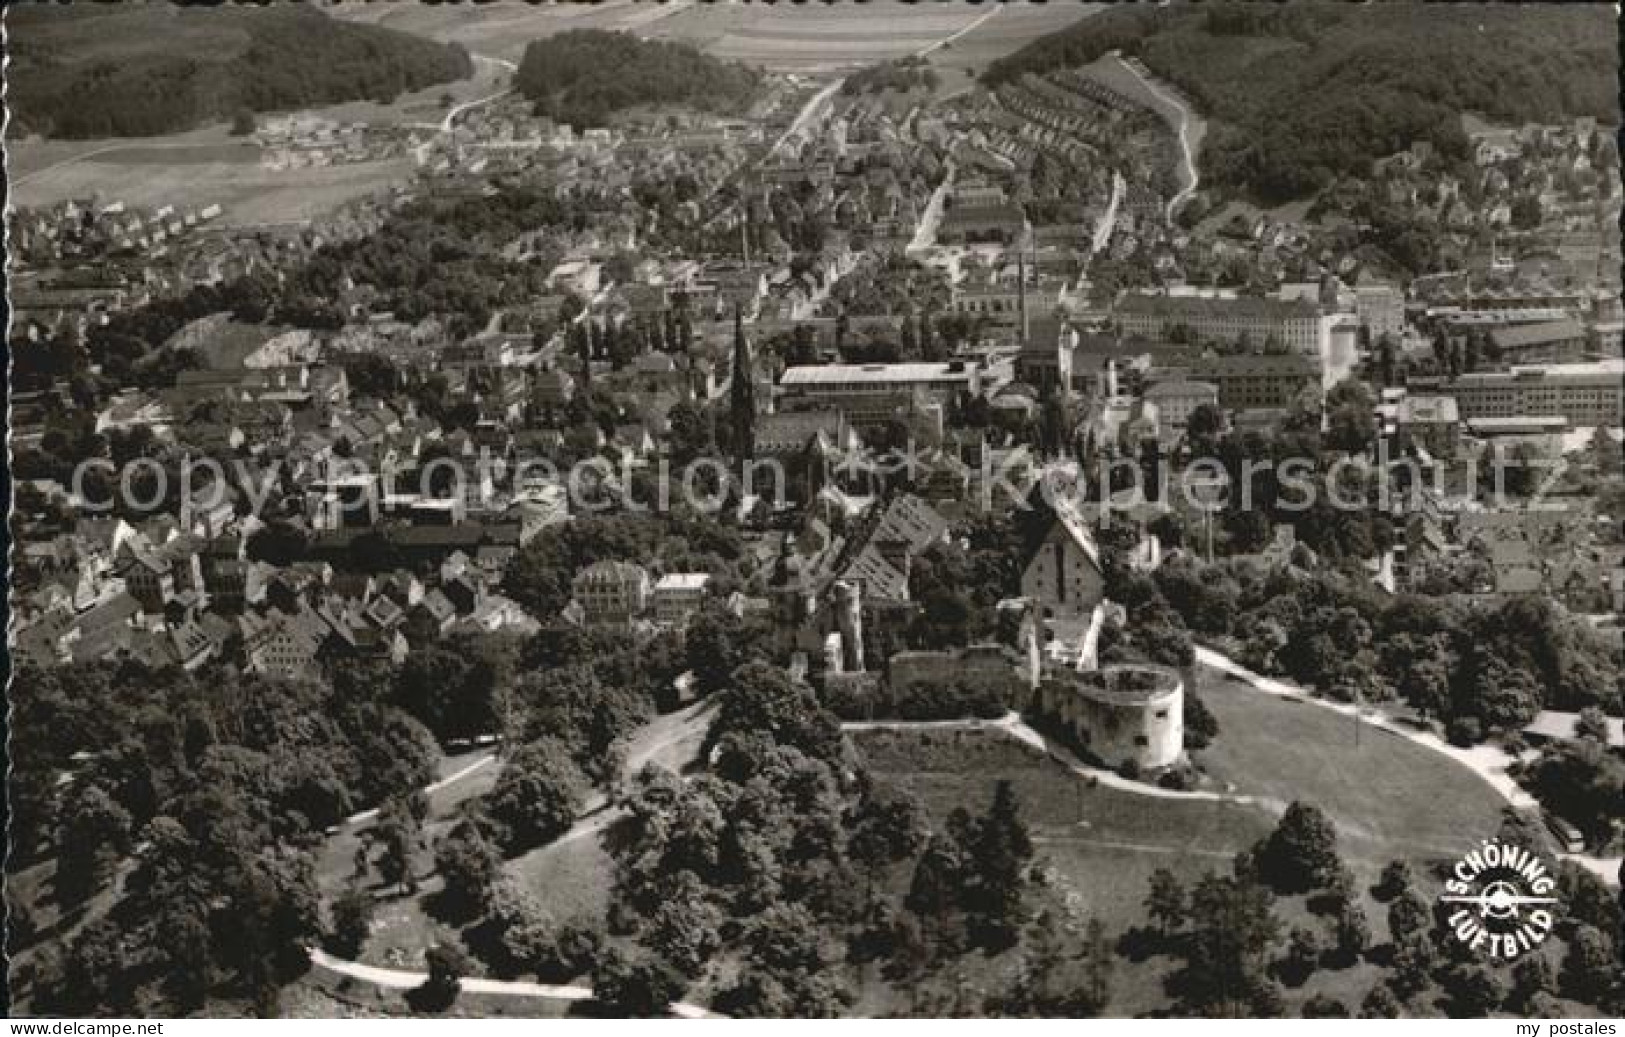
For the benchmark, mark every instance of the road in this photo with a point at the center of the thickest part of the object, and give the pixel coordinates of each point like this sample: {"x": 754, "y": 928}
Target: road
{"x": 1108, "y": 220}
{"x": 451, "y": 116}
{"x": 925, "y": 234}
{"x": 1017, "y": 728}
{"x": 803, "y": 117}
{"x": 479, "y": 764}
{"x": 53, "y": 167}
{"x": 928, "y": 48}
{"x": 1187, "y": 128}
{"x": 818, "y": 100}
{"x": 400, "y": 979}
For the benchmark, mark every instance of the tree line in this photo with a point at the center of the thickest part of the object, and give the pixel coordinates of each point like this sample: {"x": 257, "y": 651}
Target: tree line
{"x": 180, "y": 75}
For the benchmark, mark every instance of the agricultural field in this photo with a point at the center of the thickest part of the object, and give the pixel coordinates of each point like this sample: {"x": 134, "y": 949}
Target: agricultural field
{"x": 209, "y": 165}
{"x": 169, "y": 170}
{"x": 1016, "y": 25}
{"x": 501, "y": 30}
{"x": 816, "y": 38}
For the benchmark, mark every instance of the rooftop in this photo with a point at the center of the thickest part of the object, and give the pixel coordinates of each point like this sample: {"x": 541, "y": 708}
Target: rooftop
{"x": 1193, "y": 306}
{"x": 879, "y": 374}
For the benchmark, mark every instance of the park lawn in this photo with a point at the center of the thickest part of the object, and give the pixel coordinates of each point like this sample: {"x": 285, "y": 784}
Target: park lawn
{"x": 1389, "y": 797}
{"x": 569, "y": 878}
{"x": 1103, "y": 842}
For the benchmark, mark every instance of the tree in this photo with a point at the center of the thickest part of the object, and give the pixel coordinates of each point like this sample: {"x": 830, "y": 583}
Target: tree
{"x": 352, "y": 921}
{"x": 1531, "y": 976}
{"x": 1232, "y": 925}
{"x": 537, "y": 795}
{"x": 95, "y": 836}
{"x": 468, "y": 866}
{"x": 765, "y": 700}
{"x": 998, "y": 853}
{"x": 1395, "y": 880}
{"x": 1351, "y": 931}
{"x": 716, "y": 646}
{"x": 1201, "y": 726}
{"x": 1526, "y": 212}
{"x": 1408, "y": 918}
{"x": 242, "y": 123}
{"x": 1476, "y": 990}
{"x": 1323, "y": 1007}
{"x": 1590, "y": 969}
{"x": 1166, "y": 902}
{"x": 686, "y": 926}
{"x": 447, "y": 963}
{"x": 400, "y": 835}
{"x": 1203, "y": 427}
{"x": 933, "y": 892}
{"x": 1380, "y": 1003}
{"x": 1302, "y": 956}
{"x": 1592, "y": 724}
{"x": 885, "y": 830}
{"x": 1301, "y": 854}
{"x": 638, "y": 988}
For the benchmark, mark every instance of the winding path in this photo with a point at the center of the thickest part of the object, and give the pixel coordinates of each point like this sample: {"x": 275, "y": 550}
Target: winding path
{"x": 1187, "y": 128}
{"x": 684, "y": 725}
{"x": 400, "y": 979}
{"x": 926, "y": 50}
{"x": 451, "y": 116}
{"x": 1011, "y": 724}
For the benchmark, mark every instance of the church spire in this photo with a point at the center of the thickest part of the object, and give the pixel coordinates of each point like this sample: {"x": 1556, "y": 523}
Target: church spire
{"x": 1021, "y": 292}
{"x": 742, "y": 393}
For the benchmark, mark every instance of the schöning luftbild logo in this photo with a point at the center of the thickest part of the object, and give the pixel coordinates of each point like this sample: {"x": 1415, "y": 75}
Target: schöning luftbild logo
{"x": 1503, "y": 899}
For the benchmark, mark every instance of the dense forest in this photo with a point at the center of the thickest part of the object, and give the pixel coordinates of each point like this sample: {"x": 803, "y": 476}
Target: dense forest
{"x": 585, "y": 75}
{"x": 90, "y": 71}
{"x": 1302, "y": 93}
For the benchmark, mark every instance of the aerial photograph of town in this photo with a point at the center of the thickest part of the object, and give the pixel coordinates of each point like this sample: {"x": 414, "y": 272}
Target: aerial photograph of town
{"x": 667, "y": 509}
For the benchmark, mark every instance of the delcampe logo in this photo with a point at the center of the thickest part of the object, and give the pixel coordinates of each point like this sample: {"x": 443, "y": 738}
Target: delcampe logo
{"x": 1505, "y": 898}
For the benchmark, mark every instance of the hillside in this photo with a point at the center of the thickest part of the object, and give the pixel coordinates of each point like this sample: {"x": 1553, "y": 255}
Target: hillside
{"x": 90, "y": 71}
{"x": 1299, "y": 94}
{"x": 584, "y": 76}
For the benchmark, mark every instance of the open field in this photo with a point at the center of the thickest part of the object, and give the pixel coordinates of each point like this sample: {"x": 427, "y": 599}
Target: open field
{"x": 194, "y": 168}
{"x": 1389, "y": 796}
{"x": 814, "y": 38}
{"x": 783, "y": 37}
{"x": 1104, "y": 842}
{"x": 1015, "y": 26}
{"x": 501, "y": 30}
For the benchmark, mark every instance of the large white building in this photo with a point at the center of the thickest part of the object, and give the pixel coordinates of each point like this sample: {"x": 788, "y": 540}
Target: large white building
{"x": 1585, "y": 394}
{"x": 873, "y": 390}
{"x": 1296, "y": 323}
{"x": 1380, "y": 307}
